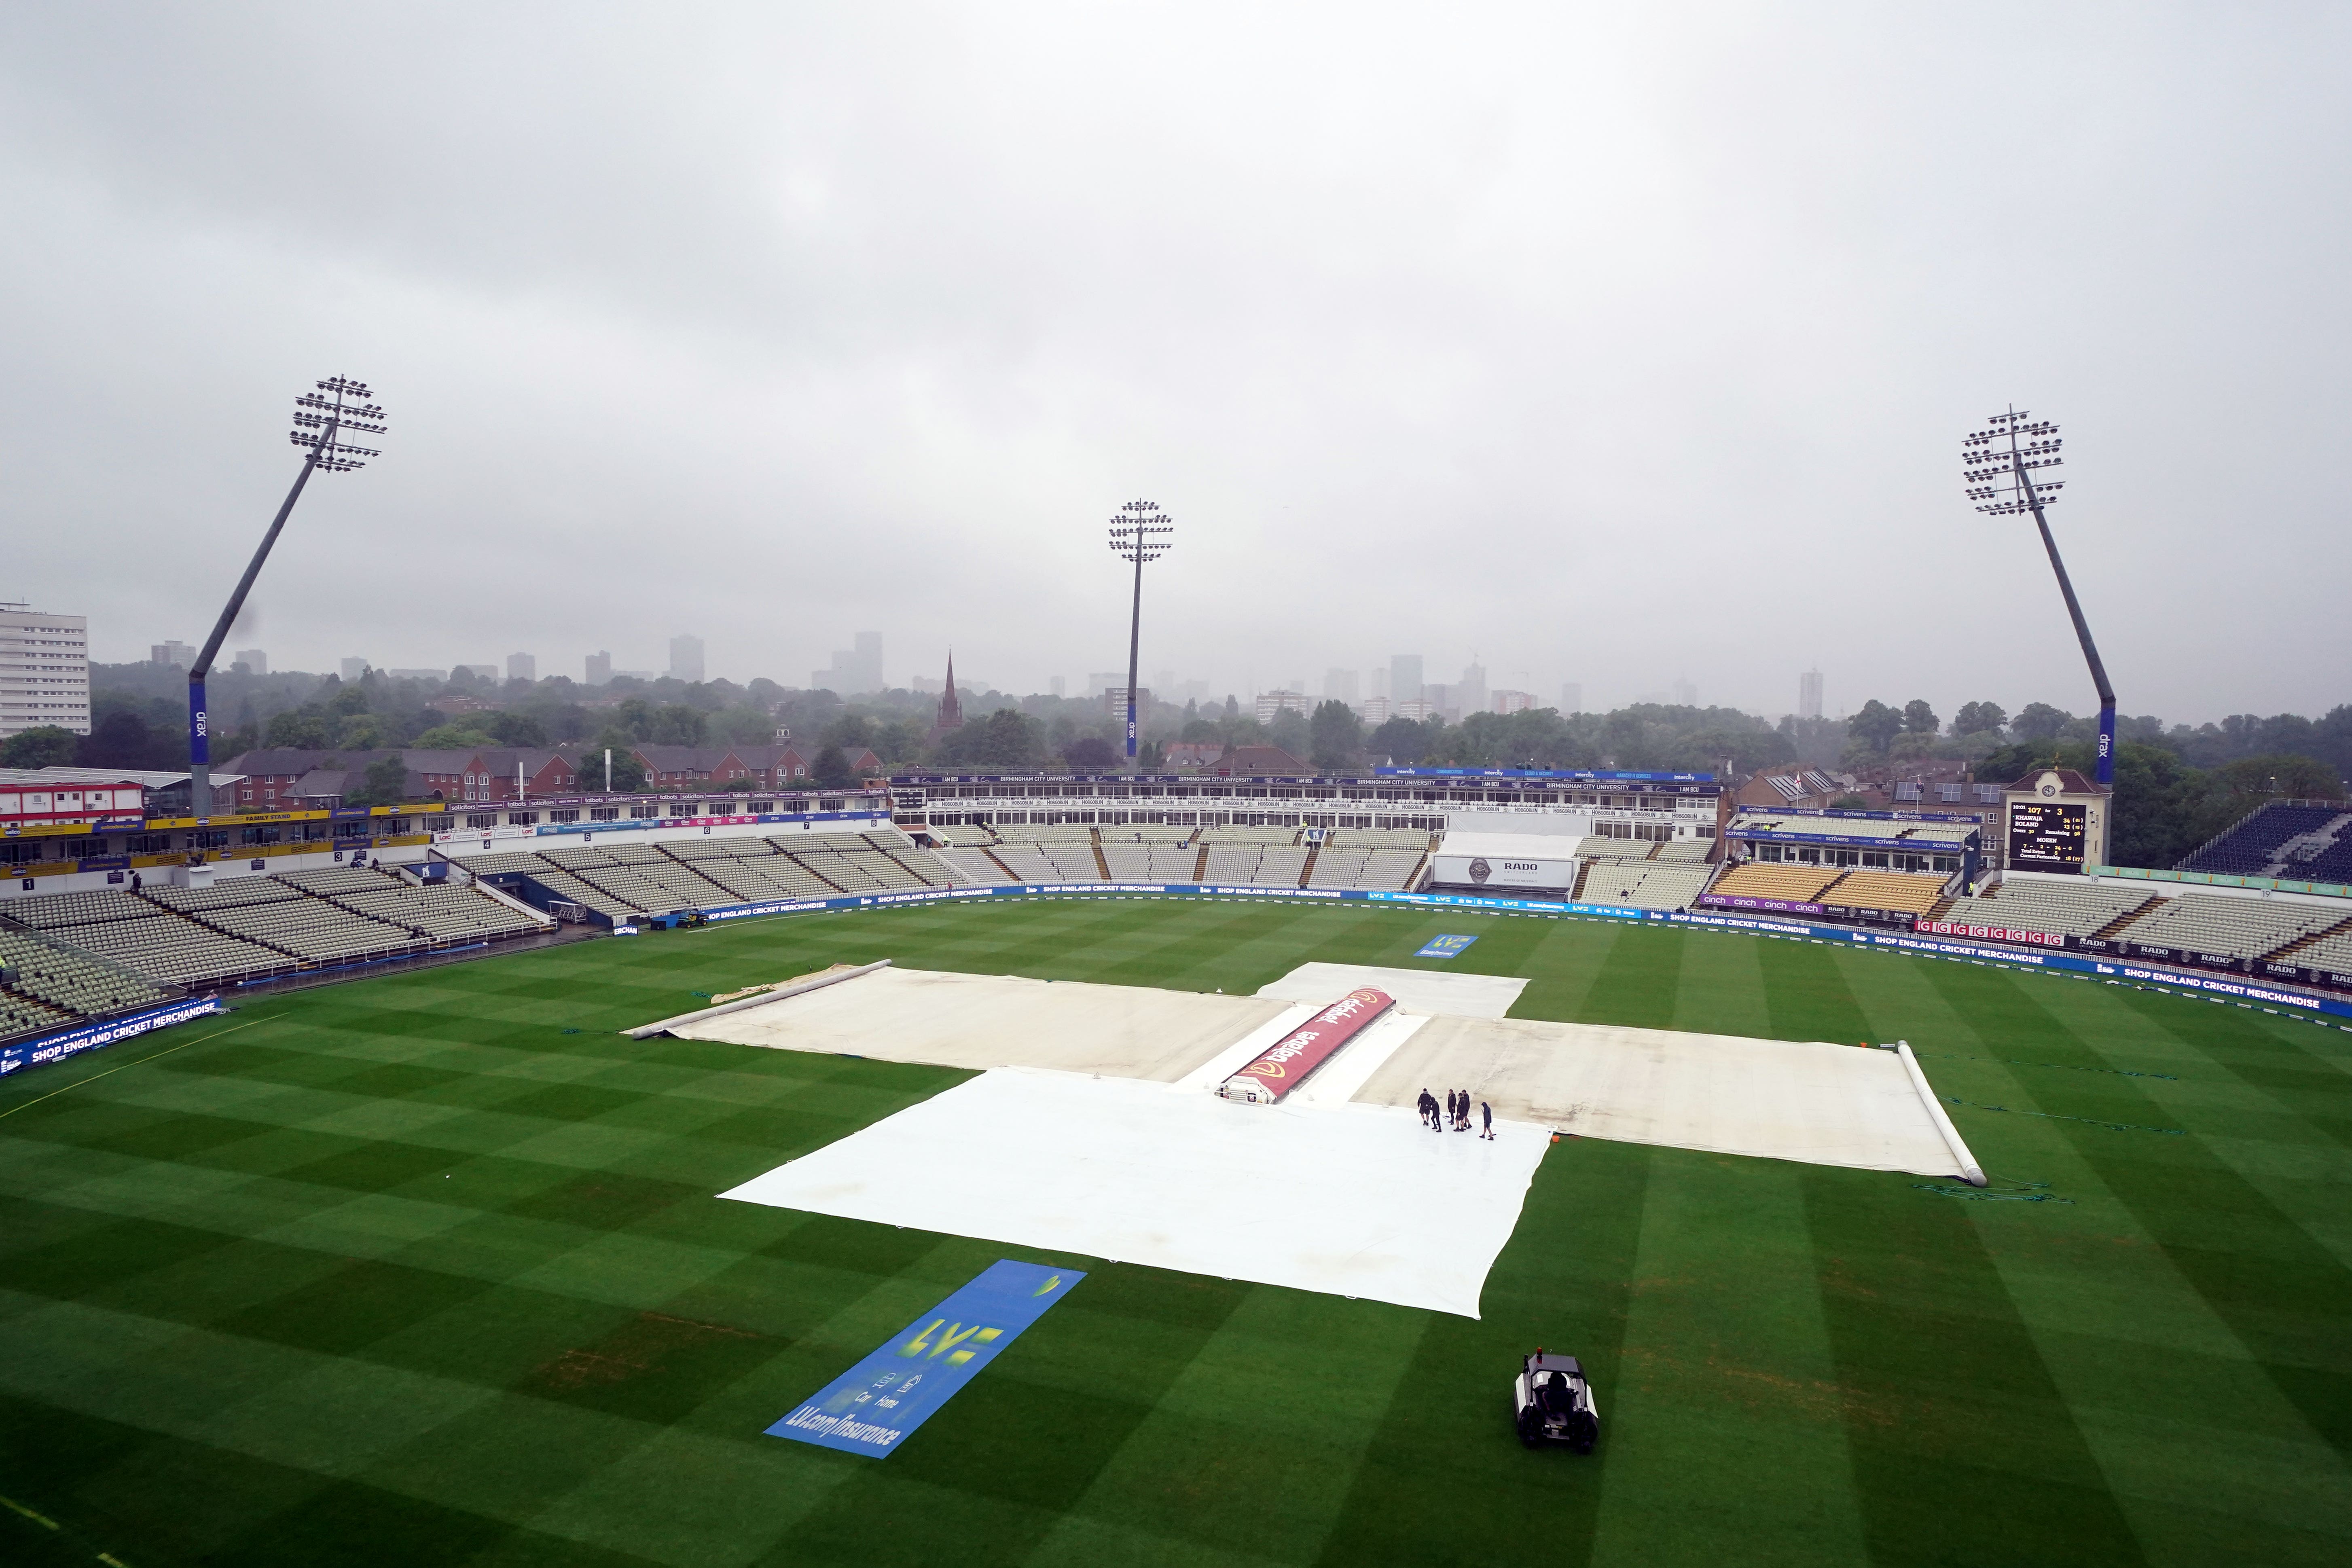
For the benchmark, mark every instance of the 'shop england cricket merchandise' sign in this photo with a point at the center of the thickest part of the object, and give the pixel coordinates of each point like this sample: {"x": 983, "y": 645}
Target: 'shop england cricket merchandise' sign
{"x": 870, "y": 1408}
{"x": 1283, "y": 1066}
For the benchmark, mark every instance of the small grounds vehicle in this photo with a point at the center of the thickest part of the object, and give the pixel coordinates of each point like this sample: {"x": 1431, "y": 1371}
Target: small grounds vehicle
{"x": 1552, "y": 1403}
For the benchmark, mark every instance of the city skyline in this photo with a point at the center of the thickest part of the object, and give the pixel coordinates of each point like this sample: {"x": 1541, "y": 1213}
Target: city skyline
{"x": 1618, "y": 302}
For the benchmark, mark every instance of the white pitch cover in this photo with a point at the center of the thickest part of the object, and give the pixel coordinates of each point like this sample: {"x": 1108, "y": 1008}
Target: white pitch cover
{"x": 1346, "y": 1200}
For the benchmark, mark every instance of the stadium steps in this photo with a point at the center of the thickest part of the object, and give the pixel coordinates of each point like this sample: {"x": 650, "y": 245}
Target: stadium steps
{"x": 1094, "y": 843}
{"x": 1010, "y": 875}
{"x": 2342, "y": 928}
{"x": 2115, "y": 926}
{"x": 1306, "y": 868}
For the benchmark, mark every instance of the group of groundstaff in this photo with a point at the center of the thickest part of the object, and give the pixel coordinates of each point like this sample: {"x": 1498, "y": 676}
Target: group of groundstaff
{"x": 1455, "y": 1113}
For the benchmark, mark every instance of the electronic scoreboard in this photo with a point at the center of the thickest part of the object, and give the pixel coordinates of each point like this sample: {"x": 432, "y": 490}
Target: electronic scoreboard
{"x": 2045, "y": 835}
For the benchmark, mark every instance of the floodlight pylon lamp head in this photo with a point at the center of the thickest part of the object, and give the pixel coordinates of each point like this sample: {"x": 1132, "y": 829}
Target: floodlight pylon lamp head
{"x": 322, "y": 414}
{"x": 1997, "y": 464}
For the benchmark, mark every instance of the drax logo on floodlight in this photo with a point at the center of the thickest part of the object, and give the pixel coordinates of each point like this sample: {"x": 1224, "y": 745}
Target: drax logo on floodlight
{"x": 2000, "y": 463}
{"x": 1138, "y": 533}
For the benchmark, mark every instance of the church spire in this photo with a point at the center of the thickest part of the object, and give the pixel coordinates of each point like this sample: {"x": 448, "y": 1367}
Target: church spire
{"x": 951, "y": 708}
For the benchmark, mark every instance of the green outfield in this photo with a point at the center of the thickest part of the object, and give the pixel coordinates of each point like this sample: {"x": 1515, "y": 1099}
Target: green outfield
{"x": 427, "y": 1269}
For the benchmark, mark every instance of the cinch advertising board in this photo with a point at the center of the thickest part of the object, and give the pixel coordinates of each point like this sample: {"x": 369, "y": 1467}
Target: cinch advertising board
{"x": 872, "y": 1407}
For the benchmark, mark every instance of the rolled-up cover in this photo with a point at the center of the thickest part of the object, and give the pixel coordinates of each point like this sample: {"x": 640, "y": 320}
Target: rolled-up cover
{"x": 1283, "y": 1066}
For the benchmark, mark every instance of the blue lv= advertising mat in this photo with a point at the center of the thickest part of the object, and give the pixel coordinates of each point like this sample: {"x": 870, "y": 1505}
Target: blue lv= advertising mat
{"x": 1444, "y": 946}
{"x": 874, "y": 1405}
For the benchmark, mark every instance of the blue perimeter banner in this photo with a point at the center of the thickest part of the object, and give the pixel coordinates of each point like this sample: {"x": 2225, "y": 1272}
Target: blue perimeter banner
{"x": 1444, "y": 946}
{"x": 867, "y": 1409}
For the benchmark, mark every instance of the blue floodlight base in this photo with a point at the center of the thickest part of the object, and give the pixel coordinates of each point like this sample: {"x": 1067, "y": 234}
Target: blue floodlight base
{"x": 2106, "y": 742}
{"x": 1130, "y": 728}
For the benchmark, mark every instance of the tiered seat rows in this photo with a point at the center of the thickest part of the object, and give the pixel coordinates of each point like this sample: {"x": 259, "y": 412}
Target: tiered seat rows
{"x": 2078, "y": 909}
{"x": 1643, "y": 885}
{"x": 1789, "y": 884}
{"x": 1897, "y": 892}
{"x": 73, "y": 982}
{"x": 2241, "y": 928}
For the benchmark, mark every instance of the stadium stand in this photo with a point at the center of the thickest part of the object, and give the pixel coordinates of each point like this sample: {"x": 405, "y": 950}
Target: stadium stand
{"x": 1789, "y": 884}
{"x": 571, "y": 888}
{"x": 1392, "y": 871}
{"x": 23, "y": 1015}
{"x": 1897, "y": 892}
{"x": 1594, "y": 847}
{"x": 1687, "y": 851}
{"x": 312, "y": 928}
{"x": 656, "y": 885}
{"x": 229, "y": 895}
{"x": 1640, "y": 885}
{"x": 56, "y": 912}
{"x": 501, "y": 864}
{"x": 2332, "y": 954}
{"x": 755, "y": 879}
{"x": 1338, "y": 866}
{"x": 2077, "y": 907}
{"x": 1026, "y": 862}
{"x": 2266, "y": 843}
{"x": 77, "y": 984}
{"x": 976, "y": 866}
{"x": 2216, "y": 923}
{"x": 1280, "y": 867}
{"x": 439, "y": 913}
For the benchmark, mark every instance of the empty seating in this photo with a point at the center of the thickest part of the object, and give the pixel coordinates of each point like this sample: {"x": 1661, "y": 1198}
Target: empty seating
{"x": 2077, "y": 907}
{"x": 441, "y": 911}
{"x": 975, "y": 866}
{"x": 1897, "y": 892}
{"x": 1782, "y": 883}
{"x": 54, "y": 911}
{"x": 1643, "y": 885}
{"x": 229, "y": 894}
{"x": 504, "y": 864}
{"x": 2332, "y": 953}
{"x": 312, "y": 929}
{"x": 74, "y": 982}
{"x": 2216, "y": 923}
{"x": 2250, "y": 848}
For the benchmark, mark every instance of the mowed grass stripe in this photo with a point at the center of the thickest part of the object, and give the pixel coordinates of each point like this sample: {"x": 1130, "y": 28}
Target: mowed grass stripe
{"x": 601, "y": 1339}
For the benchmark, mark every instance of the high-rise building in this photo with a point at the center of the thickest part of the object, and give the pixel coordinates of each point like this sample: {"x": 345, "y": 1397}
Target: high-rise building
{"x": 1809, "y": 695}
{"x": 1339, "y": 685}
{"x": 685, "y": 656}
{"x": 256, "y": 662}
{"x": 1685, "y": 694}
{"x": 854, "y": 670}
{"x": 600, "y": 668}
{"x": 43, "y": 670}
{"x": 172, "y": 654}
{"x": 1512, "y": 701}
{"x": 354, "y": 669}
{"x": 523, "y": 667}
{"x": 1373, "y": 711}
{"x": 1270, "y": 703}
{"x": 1470, "y": 692}
{"x": 1404, "y": 678}
{"x": 1571, "y": 697}
{"x": 1058, "y": 684}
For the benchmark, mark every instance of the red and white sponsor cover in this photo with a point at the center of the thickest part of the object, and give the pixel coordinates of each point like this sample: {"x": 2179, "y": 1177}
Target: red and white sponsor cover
{"x": 1283, "y": 1066}
{"x": 1992, "y": 934}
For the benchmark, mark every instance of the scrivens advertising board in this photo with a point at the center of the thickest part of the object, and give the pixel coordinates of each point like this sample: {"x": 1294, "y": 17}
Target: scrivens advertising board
{"x": 1283, "y": 1066}
{"x": 2045, "y": 835}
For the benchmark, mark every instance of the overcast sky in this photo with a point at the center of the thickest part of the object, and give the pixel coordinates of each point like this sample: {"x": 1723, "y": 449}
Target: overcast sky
{"x": 1614, "y": 344}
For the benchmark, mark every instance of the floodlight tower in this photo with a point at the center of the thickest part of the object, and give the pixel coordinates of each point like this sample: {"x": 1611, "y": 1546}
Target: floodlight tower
{"x": 1138, "y": 533}
{"x": 321, "y": 416}
{"x": 2000, "y": 462}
